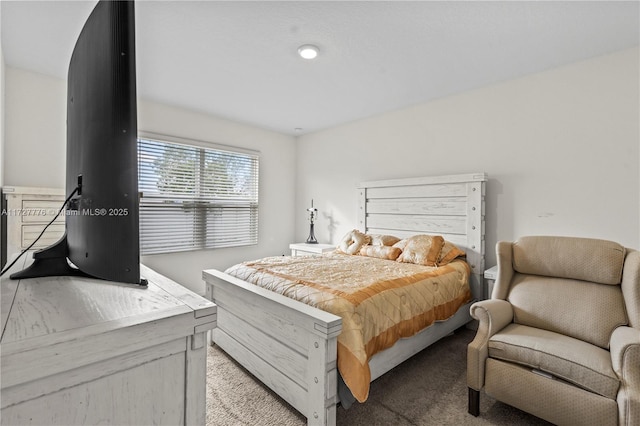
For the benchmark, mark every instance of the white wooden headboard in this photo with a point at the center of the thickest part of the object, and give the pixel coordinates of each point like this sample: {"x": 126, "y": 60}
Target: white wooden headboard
{"x": 451, "y": 206}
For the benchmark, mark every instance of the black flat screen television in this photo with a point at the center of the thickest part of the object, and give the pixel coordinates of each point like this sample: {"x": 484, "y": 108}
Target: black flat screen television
{"x": 102, "y": 234}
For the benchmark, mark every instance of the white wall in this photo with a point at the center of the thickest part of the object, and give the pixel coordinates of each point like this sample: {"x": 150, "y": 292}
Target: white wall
{"x": 561, "y": 149}
{"x": 2, "y": 72}
{"x": 35, "y": 129}
{"x": 36, "y": 151}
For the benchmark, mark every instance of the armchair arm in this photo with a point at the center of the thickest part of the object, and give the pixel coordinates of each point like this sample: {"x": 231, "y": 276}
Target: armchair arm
{"x": 493, "y": 315}
{"x": 630, "y": 287}
{"x": 625, "y": 358}
{"x": 504, "y": 257}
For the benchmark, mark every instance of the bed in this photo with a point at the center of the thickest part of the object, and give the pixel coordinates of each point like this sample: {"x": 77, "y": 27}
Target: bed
{"x": 292, "y": 347}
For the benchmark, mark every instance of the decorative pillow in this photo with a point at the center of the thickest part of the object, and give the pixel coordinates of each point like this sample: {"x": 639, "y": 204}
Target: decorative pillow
{"x": 383, "y": 240}
{"x": 353, "y": 242}
{"x": 402, "y": 243}
{"x": 422, "y": 250}
{"x": 381, "y": 252}
{"x": 448, "y": 253}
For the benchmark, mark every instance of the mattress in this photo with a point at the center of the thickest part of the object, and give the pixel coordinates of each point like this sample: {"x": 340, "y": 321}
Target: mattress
{"x": 379, "y": 300}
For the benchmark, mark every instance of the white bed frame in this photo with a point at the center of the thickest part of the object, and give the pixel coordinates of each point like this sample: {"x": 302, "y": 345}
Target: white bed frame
{"x": 291, "y": 347}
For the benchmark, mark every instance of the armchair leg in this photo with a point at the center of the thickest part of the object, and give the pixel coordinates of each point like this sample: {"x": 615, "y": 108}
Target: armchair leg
{"x": 474, "y": 402}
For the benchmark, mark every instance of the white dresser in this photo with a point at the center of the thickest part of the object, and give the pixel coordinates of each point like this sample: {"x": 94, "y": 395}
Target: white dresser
{"x": 85, "y": 351}
{"x": 28, "y": 211}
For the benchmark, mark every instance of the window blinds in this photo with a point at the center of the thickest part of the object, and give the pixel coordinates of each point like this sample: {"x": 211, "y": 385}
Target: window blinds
{"x": 195, "y": 198}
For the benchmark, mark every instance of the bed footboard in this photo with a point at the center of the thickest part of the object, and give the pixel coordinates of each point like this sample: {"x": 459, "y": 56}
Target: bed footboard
{"x": 289, "y": 346}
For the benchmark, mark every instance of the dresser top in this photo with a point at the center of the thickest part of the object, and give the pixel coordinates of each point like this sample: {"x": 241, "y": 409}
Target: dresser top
{"x": 21, "y": 190}
{"x": 59, "y": 307}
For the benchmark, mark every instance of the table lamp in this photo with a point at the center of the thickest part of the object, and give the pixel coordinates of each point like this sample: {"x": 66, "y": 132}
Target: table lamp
{"x": 312, "y": 214}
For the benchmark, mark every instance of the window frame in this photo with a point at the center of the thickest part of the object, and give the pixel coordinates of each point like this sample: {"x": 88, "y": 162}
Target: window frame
{"x": 206, "y": 210}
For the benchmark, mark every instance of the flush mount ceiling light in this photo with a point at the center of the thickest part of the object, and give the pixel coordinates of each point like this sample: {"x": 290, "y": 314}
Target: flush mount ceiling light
{"x": 308, "y": 51}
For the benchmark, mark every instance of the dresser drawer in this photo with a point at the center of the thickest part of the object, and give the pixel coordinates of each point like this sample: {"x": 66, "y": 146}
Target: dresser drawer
{"x": 28, "y": 211}
{"x": 40, "y": 211}
{"x": 31, "y": 232}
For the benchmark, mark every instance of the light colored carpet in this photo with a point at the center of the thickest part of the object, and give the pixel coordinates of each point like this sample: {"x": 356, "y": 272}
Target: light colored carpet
{"x": 428, "y": 389}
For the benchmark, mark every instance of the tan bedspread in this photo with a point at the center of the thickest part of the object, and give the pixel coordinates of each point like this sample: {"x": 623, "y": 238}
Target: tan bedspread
{"x": 380, "y": 301}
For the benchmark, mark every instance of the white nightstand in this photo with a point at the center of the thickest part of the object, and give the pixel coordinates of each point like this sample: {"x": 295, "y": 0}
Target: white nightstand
{"x": 310, "y": 249}
{"x": 490, "y": 275}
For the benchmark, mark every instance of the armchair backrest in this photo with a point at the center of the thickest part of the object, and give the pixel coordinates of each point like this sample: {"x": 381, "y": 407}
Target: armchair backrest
{"x": 585, "y": 259}
{"x": 564, "y": 284}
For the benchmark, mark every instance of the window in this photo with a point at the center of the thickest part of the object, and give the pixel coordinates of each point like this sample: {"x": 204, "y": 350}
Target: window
{"x": 195, "y": 197}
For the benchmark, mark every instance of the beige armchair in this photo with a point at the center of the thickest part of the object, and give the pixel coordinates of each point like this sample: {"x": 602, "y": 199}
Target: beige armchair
{"x": 560, "y": 336}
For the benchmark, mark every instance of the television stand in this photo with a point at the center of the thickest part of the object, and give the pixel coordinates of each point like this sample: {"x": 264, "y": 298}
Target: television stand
{"x": 52, "y": 262}
{"x": 79, "y": 350}
{"x": 49, "y": 262}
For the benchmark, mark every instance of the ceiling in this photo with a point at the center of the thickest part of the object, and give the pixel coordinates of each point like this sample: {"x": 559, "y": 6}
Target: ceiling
{"x": 238, "y": 59}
